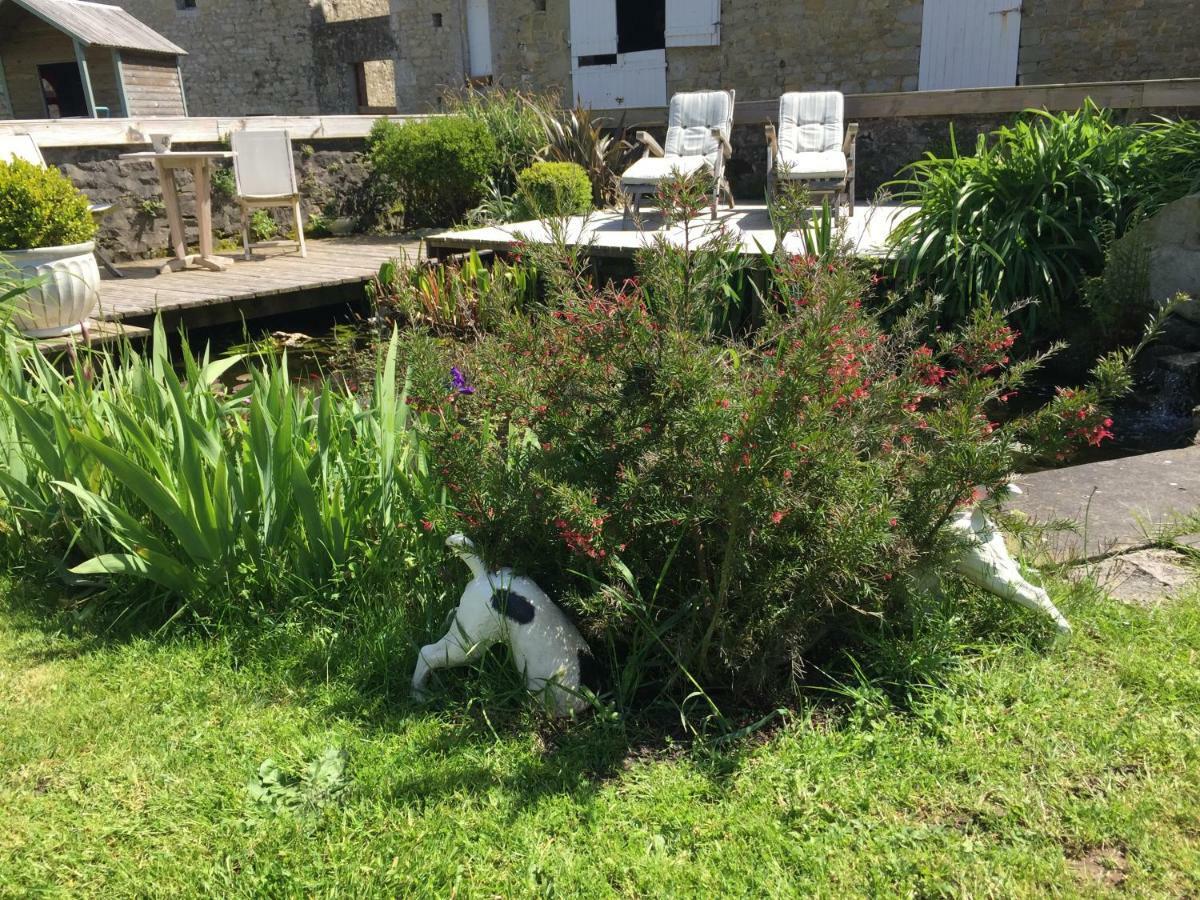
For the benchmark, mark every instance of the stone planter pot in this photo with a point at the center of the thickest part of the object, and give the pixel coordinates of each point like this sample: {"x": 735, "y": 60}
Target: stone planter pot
{"x": 66, "y": 297}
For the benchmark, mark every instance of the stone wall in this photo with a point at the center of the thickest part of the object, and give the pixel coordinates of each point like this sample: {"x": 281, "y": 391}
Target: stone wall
{"x": 331, "y": 176}
{"x": 1065, "y": 41}
{"x": 768, "y": 47}
{"x": 271, "y": 57}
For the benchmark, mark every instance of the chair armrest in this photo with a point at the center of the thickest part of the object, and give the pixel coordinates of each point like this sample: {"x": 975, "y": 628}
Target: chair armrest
{"x": 726, "y": 147}
{"x": 851, "y": 138}
{"x": 652, "y": 147}
{"x": 772, "y": 147}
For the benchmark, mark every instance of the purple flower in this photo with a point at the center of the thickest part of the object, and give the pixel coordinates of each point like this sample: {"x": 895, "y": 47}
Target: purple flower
{"x": 459, "y": 381}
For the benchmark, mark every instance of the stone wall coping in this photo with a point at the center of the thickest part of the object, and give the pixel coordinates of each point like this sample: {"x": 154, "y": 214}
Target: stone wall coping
{"x": 1155, "y": 94}
{"x": 190, "y": 130}
{"x": 1152, "y": 94}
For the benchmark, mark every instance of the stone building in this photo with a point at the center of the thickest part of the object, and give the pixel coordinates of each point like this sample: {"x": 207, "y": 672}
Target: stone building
{"x": 279, "y": 57}
{"x": 636, "y": 53}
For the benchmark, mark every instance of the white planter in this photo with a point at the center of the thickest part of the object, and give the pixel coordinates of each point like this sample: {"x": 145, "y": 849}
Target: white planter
{"x": 67, "y": 296}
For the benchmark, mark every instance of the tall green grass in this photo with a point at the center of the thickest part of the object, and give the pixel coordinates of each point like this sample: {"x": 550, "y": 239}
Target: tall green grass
{"x": 157, "y": 482}
{"x": 1027, "y": 215}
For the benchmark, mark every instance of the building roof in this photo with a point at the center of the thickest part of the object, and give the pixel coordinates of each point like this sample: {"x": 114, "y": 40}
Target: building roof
{"x": 99, "y": 25}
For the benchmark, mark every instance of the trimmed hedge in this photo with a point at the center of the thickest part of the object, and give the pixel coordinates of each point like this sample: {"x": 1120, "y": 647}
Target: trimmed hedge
{"x": 554, "y": 189}
{"x": 440, "y": 166}
{"x": 39, "y": 207}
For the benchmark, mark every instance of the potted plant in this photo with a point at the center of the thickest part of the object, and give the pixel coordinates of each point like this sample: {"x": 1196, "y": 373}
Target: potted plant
{"x": 46, "y": 232}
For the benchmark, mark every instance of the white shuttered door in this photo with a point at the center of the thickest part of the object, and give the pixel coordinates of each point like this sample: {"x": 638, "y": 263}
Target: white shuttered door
{"x": 693, "y": 23}
{"x": 637, "y": 80}
{"x": 593, "y": 28}
{"x": 970, "y": 43}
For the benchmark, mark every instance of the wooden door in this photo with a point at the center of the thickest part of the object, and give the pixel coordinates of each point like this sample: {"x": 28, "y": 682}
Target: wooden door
{"x": 970, "y": 43}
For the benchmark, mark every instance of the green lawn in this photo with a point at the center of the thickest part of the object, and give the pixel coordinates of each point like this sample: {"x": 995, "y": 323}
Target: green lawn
{"x": 1067, "y": 770}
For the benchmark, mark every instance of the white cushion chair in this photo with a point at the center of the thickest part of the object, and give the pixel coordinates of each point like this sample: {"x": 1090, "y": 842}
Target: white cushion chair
{"x": 698, "y": 129}
{"x": 813, "y": 146}
{"x": 266, "y": 178}
{"x": 23, "y": 146}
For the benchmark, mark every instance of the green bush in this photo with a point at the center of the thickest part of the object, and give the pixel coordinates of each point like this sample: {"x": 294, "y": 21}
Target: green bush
{"x": 206, "y": 502}
{"x": 1029, "y": 214}
{"x": 441, "y": 166}
{"x": 718, "y": 511}
{"x": 39, "y": 207}
{"x": 554, "y": 189}
{"x": 515, "y": 121}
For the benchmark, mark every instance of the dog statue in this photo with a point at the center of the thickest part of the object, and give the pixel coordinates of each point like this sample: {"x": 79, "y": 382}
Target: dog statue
{"x": 987, "y": 563}
{"x": 500, "y": 606}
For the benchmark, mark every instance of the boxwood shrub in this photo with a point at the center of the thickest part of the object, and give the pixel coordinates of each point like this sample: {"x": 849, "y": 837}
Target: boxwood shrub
{"x": 39, "y": 207}
{"x": 554, "y": 189}
{"x": 440, "y": 166}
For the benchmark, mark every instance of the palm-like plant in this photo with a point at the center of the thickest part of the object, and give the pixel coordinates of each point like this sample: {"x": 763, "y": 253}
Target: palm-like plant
{"x": 577, "y": 136}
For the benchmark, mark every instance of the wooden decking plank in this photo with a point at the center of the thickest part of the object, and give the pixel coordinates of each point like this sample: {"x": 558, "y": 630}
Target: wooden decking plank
{"x": 249, "y": 285}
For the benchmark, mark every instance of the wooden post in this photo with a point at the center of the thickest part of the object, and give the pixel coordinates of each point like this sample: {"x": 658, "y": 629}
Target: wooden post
{"x": 119, "y": 69}
{"x": 86, "y": 78}
{"x": 182, "y": 92}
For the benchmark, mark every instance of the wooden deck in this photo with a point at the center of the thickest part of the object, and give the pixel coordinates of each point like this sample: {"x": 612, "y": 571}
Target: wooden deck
{"x": 277, "y": 280}
{"x": 605, "y": 236}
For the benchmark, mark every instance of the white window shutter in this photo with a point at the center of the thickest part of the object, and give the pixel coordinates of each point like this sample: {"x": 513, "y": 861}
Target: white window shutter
{"x": 693, "y": 23}
{"x": 593, "y": 27}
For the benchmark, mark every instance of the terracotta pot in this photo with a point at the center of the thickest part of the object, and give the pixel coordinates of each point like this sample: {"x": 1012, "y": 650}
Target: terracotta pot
{"x": 67, "y": 295}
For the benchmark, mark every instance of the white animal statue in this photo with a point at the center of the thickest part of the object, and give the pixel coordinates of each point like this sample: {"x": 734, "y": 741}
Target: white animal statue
{"x": 987, "y": 563}
{"x": 501, "y": 606}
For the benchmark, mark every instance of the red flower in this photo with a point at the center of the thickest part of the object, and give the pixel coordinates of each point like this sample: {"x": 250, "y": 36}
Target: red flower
{"x": 777, "y": 516}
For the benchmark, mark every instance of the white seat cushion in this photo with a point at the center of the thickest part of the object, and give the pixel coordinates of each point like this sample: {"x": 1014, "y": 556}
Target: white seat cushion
{"x": 654, "y": 169}
{"x": 814, "y": 164}
{"x": 811, "y": 122}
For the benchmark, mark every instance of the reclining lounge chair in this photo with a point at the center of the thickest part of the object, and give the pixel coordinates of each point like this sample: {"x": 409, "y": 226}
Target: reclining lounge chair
{"x": 697, "y": 138}
{"x": 813, "y": 147}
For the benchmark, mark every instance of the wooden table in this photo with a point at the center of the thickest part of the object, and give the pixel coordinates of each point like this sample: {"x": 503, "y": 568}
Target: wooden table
{"x": 199, "y": 163}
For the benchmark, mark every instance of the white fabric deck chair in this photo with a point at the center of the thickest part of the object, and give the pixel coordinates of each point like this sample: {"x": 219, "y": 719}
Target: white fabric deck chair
{"x": 23, "y": 146}
{"x": 266, "y": 178}
{"x": 813, "y": 147}
{"x": 698, "y": 130}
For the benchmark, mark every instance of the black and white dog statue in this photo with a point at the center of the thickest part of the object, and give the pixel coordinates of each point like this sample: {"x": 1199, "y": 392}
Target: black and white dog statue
{"x": 501, "y": 606}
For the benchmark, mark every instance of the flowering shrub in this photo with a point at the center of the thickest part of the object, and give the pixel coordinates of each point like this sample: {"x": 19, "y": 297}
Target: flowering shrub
{"x": 714, "y": 508}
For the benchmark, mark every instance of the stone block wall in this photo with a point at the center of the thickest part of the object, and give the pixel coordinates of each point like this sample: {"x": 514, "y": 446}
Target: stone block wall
{"x": 331, "y": 175}
{"x": 1065, "y": 41}
{"x": 271, "y": 57}
{"x": 769, "y": 47}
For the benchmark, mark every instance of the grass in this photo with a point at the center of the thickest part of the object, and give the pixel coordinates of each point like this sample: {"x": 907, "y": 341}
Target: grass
{"x": 1071, "y": 769}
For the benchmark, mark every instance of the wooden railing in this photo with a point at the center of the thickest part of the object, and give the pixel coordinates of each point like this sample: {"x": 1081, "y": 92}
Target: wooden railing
{"x": 1163, "y": 94}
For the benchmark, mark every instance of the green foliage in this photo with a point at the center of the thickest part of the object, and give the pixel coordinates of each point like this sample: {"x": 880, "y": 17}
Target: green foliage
{"x": 1119, "y": 297}
{"x": 453, "y": 297}
{"x": 578, "y": 136}
{"x": 323, "y": 782}
{"x": 548, "y": 189}
{"x": 514, "y": 120}
{"x": 733, "y": 505}
{"x": 224, "y": 183}
{"x": 263, "y": 226}
{"x": 1025, "y": 217}
{"x": 173, "y": 489}
{"x": 39, "y": 207}
{"x": 440, "y": 166}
